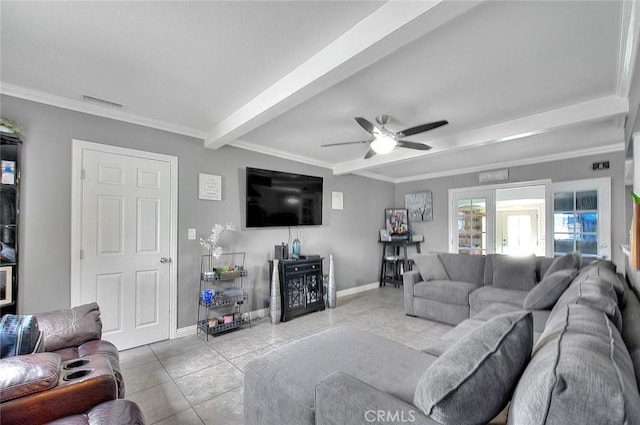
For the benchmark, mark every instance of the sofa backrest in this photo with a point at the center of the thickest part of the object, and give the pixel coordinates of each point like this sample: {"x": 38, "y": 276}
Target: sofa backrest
{"x": 70, "y": 327}
{"x": 582, "y": 345}
{"x": 464, "y": 268}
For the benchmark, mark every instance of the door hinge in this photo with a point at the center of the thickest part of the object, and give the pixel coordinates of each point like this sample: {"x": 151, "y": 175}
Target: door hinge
{"x": 82, "y": 254}
{"x": 82, "y": 174}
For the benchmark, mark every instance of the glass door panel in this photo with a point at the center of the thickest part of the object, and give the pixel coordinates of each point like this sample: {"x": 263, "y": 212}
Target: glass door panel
{"x": 578, "y": 220}
{"x": 470, "y": 226}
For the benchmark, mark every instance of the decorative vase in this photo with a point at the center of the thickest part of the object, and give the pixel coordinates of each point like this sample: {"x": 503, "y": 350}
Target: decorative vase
{"x": 295, "y": 249}
{"x": 331, "y": 285}
{"x": 275, "y": 307}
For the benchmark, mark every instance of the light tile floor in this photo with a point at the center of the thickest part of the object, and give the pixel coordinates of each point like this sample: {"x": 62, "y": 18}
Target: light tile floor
{"x": 189, "y": 381}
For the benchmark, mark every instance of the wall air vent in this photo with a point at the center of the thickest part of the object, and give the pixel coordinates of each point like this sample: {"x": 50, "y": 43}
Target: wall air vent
{"x": 102, "y": 102}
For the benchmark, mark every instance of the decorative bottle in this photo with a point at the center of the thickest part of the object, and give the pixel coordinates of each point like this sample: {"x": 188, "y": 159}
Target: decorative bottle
{"x": 295, "y": 249}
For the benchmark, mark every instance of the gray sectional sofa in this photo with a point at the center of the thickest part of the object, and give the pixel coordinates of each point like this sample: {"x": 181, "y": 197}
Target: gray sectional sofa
{"x": 584, "y": 367}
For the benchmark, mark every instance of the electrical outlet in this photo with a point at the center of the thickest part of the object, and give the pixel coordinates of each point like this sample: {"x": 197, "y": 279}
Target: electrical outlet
{"x": 191, "y": 234}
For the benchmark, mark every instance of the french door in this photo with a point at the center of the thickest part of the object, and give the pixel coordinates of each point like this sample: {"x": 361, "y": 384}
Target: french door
{"x": 575, "y": 217}
{"x": 472, "y": 223}
{"x": 582, "y": 217}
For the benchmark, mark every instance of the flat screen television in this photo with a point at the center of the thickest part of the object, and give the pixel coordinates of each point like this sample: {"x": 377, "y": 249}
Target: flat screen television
{"x": 276, "y": 198}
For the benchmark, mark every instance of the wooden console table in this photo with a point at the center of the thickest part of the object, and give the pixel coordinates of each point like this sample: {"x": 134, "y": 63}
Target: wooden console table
{"x": 396, "y": 246}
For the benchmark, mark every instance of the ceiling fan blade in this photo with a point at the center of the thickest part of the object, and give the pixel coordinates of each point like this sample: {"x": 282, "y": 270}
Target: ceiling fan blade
{"x": 413, "y": 145}
{"x": 369, "y": 154}
{"x": 344, "y": 143}
{"x": 367, "y": 125}
{"x": 421, "y": 128}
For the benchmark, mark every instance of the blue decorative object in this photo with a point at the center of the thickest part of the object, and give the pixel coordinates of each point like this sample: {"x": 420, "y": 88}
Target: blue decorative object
{"x": 295, "y": 249}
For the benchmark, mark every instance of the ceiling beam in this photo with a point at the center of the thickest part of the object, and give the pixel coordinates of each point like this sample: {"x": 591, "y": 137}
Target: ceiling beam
{"x": 393, "y": 25}
{"x": 593, "y": 110}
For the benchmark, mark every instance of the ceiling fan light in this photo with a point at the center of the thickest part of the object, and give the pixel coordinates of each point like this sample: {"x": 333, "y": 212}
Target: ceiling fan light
{"x": 383, "y": 144}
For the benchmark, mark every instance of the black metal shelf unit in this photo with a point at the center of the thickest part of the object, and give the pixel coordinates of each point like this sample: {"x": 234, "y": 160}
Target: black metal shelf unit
{"x": 301, "y": 287}
{"x": 10, "y": 153}
{"x": 223, "y": 309}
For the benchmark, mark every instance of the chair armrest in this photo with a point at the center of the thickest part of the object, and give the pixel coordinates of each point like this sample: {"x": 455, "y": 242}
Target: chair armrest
{"x": 409, "y": 279}
{"x": 342, "y": 399}
{"x": 71, "y": 327}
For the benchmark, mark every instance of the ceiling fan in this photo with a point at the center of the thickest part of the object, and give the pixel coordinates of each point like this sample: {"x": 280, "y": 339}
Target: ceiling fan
{"x": 383, "y": 141}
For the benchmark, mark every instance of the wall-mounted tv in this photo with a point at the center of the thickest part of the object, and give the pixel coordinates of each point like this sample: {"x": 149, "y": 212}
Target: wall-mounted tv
{"x": 276, "y": 198}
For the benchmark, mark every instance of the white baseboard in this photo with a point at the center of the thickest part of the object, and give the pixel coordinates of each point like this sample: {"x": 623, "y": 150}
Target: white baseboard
{"x": 357, "y": 289}
{"x": 186, "y": 331}
{"x": 264, "y": 312}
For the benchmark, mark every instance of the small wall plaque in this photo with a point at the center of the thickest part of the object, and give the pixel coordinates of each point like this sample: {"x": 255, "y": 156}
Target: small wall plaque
{"x": 210, "y": 187}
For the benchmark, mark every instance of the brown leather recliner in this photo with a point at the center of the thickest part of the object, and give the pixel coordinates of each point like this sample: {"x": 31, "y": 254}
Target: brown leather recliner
{"x": 76, "y": 333}
{"x": 77, "y": 372}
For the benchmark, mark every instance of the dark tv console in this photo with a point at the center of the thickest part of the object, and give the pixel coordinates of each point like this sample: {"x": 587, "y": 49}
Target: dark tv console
{"x": 301, "y": 288}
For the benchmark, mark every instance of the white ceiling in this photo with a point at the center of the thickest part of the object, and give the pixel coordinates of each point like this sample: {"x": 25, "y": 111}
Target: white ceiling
{"x": 518, "y": 81}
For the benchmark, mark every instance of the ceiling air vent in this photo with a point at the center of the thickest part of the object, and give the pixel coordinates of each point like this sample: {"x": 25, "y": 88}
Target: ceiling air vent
{"x": 102, "y": 102}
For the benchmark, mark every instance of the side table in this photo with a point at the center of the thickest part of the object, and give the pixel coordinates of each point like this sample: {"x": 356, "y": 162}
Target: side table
{"x": 400, "y": 256}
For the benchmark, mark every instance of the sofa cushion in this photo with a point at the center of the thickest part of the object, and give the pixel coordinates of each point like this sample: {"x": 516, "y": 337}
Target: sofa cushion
{"x": 472, "y": 381}
{"x": 512, "y": 272}
{"x": 464, "y": 268}
{"x": 567, "y": 261}
{"x": 448, "y": 291}
{"x": 483, "y": 297}
{"x": 580, "y": 373}
{"x": 430, "y": 267}
{"x": 495, "y": 309}
{"x": 546, "y": 293}
{"x": 28, "y": 374}
{"x": 588, "y": 289}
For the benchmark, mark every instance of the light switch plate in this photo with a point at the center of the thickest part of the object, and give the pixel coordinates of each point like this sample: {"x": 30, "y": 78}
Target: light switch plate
{"x": 192, "y": 234}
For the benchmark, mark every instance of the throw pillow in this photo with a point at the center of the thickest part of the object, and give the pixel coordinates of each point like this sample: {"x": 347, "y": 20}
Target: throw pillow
{"x": 567, "y": 261}
{"x": 546, "y": 293}
{"x": 472, "y": 382}
{"x": 511, "y": 272}
{"x": 430, "y": 267}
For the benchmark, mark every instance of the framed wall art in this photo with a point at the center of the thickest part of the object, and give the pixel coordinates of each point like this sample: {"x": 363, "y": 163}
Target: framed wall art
{"x": 420, "y": 206}
{"x": 209, "y": 187}
{"x": 6, "y": 279}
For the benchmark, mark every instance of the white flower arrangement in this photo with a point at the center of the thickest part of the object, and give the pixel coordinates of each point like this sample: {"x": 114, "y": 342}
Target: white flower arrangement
{"x": 212, "y": 240}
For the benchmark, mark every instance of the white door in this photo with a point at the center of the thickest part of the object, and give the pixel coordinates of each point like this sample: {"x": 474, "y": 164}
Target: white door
{"x": 126, "y": 244}
{"x": 582, "y": 217}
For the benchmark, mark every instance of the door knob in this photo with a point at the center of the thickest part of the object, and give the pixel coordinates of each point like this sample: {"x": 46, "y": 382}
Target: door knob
{"x": 165, "y": 260}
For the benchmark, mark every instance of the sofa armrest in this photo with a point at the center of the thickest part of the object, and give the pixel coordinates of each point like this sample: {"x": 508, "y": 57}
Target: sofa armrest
{"x": 342, "y": 399}
{"x": 81, "y": 384}
{"x": 70, "y": 327}
{"x": 28, "y": 374}
{"x": 409, "y": 279}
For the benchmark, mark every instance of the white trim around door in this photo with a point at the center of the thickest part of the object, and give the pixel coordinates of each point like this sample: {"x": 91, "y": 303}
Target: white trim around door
{"x": 78, "y": 146}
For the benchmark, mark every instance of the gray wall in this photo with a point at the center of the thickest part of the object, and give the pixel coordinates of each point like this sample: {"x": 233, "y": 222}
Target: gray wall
{"x": 436, "y": 231}
{"x": 45, "y": 244}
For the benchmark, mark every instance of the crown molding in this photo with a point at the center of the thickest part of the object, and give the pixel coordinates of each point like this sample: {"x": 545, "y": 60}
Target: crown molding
{"x": 88, "y": 108}
{"x": 617, "y": 147}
